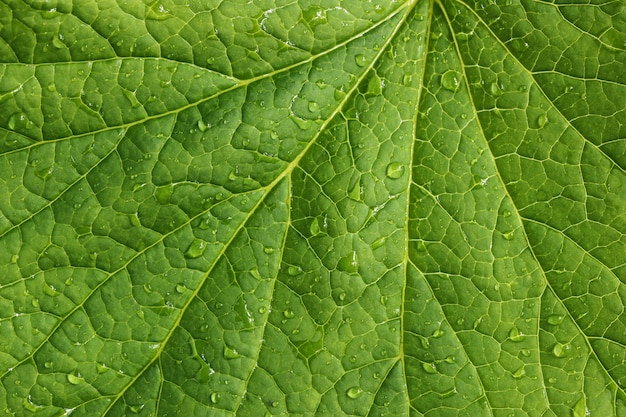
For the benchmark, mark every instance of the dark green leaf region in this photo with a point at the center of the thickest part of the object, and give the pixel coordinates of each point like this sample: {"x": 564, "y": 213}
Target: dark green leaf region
{"x": 231, "y": 208}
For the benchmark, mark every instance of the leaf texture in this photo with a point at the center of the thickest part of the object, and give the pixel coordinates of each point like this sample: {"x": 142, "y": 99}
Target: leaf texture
{"x": 247, "y": 208}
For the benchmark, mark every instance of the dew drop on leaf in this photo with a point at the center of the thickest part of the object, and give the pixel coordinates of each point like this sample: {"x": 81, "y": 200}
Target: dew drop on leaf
{"x": 516, "y": 335}
{"x": 349, "y": 263}
{"x": 73, "y": 379}
{"x": 230, "y": 353}
{"x": 361, "y": 60}
{"x": 520, "y": 372}
{"x": 289, "y": 314}
{"x": 555, "y": 319}
{"x": 202, "y": 127}
{"x": 215, "y": 397}
{"x": 450, "y": 80}
{"x": 495, "y": 90}
{"x": 395, "y": 170}
{"x": 542, "y": 120}
{"x": 561, "y": 350}
{"x": 354, "y": 392}
{"x": 429, "y": 368}
{"x": 196, "y": 249}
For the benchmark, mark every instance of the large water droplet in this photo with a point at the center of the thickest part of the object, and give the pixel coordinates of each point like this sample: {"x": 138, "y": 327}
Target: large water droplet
{"x": 555, "y": 319}
{"x": 561, "y": 350}
{"x": 429, "y": 368}
{"x": 196, "y": 249}
{"x": 516, "y": 335}
{"x": 495, "y": 89}
{"x": 215, "y": 397}
{"x": 542, "y": 120}
{"x": 450, "y": 80}
{"x": 289, "y": 314}
{"x": 354, "y": 392}
{"x": 74, "y": 379}
{"x": 202, "y": 127}
{"x": 361, "y": 60}
{"x": 395, "y": 170}
{"x": 230, "y": 353}
{"x": 158, "y": 12}
{"x": 349, "y": 263}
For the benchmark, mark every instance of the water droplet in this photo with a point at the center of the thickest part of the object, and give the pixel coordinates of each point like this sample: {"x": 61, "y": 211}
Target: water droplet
{"x": 289, "y": 314}
{"x": 262, "y": 310}
{"x": 180, "y": 288}
{"x": 379, "y": 242}
{"x": 520, "y": 372}
{"x": 525, "y": 352}
{"x": 495, "y": 89}
{"x": 14, "y": 258}
{"x": 561, "y": 350}
{"x": 349, "y": 263}
{"x": 215, "y": 397}
{"x": 50, "y": 290}
{"x": 552, "y": 380}
{"x": 158, "y": 12}
{"x": 294, "y": 270}
{"x": 450, "y": 359}
{"x": 506, "y": 213}
{"x": 74, "y": 379}
{"x": 555, "y": 319}
{"x": 437, "y": 334}
{"x": 354, "y": 392}
{"x": 202, "y": 127}
{"x": 450, "y": 80}
{"x": 429, "y": 368}
{"x": 508, "y": 235}
{"x": 135, "y": 409}
{"x": 230, "y": 353}
{"x": 395, "y": 170}
{"x": 542, "y": 120}
{"x": 361, "y": 60}
{"x": 407, "y": 79}
{"x": 196, "y": 249}
{"x": 579, "y": 409}
{"x": 48, "y": 365}
{"x": 314, "y": 107}
{"x": 57, "y": 41}
{"x": 356, "y": 191}
{"x": 516, "y": 335}
{"x": 18, "y": 119}
{"x": 315, "y": 227}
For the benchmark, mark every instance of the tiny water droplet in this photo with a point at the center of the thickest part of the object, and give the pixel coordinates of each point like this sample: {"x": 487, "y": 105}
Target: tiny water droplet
{"x": 196, "y": 249}
{"x": 289, "y": 314}
{"x": 395, "y": 170}
{"x": 262, "y": 310}
{"x": 437, "y": 334}
{"x": 135, "y": 409}
{"x": 450, "y": 359}
{"x": 202, "y": 127}
{"x": 50, "y": 290}
{"x": 516, "y": 335}
{"x": 14, "y": 258}
{"x": 552, "y": 380}
{"x": 215, "y": 397}
{"x": 450, "y": 80}
{"x": 180, "y": 288}
{"x": 354, "y": 392}
{"x": 379, "y": 242}
{"x": 315, "y": 227}
{"x": 314, "y": 107}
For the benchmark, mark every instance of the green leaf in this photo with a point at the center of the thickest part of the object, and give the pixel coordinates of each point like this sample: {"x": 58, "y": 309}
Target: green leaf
{"x": 248, "y": 208}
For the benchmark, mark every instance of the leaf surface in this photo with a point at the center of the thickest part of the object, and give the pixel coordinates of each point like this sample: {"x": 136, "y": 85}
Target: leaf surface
{"x": 229, "y": 208}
